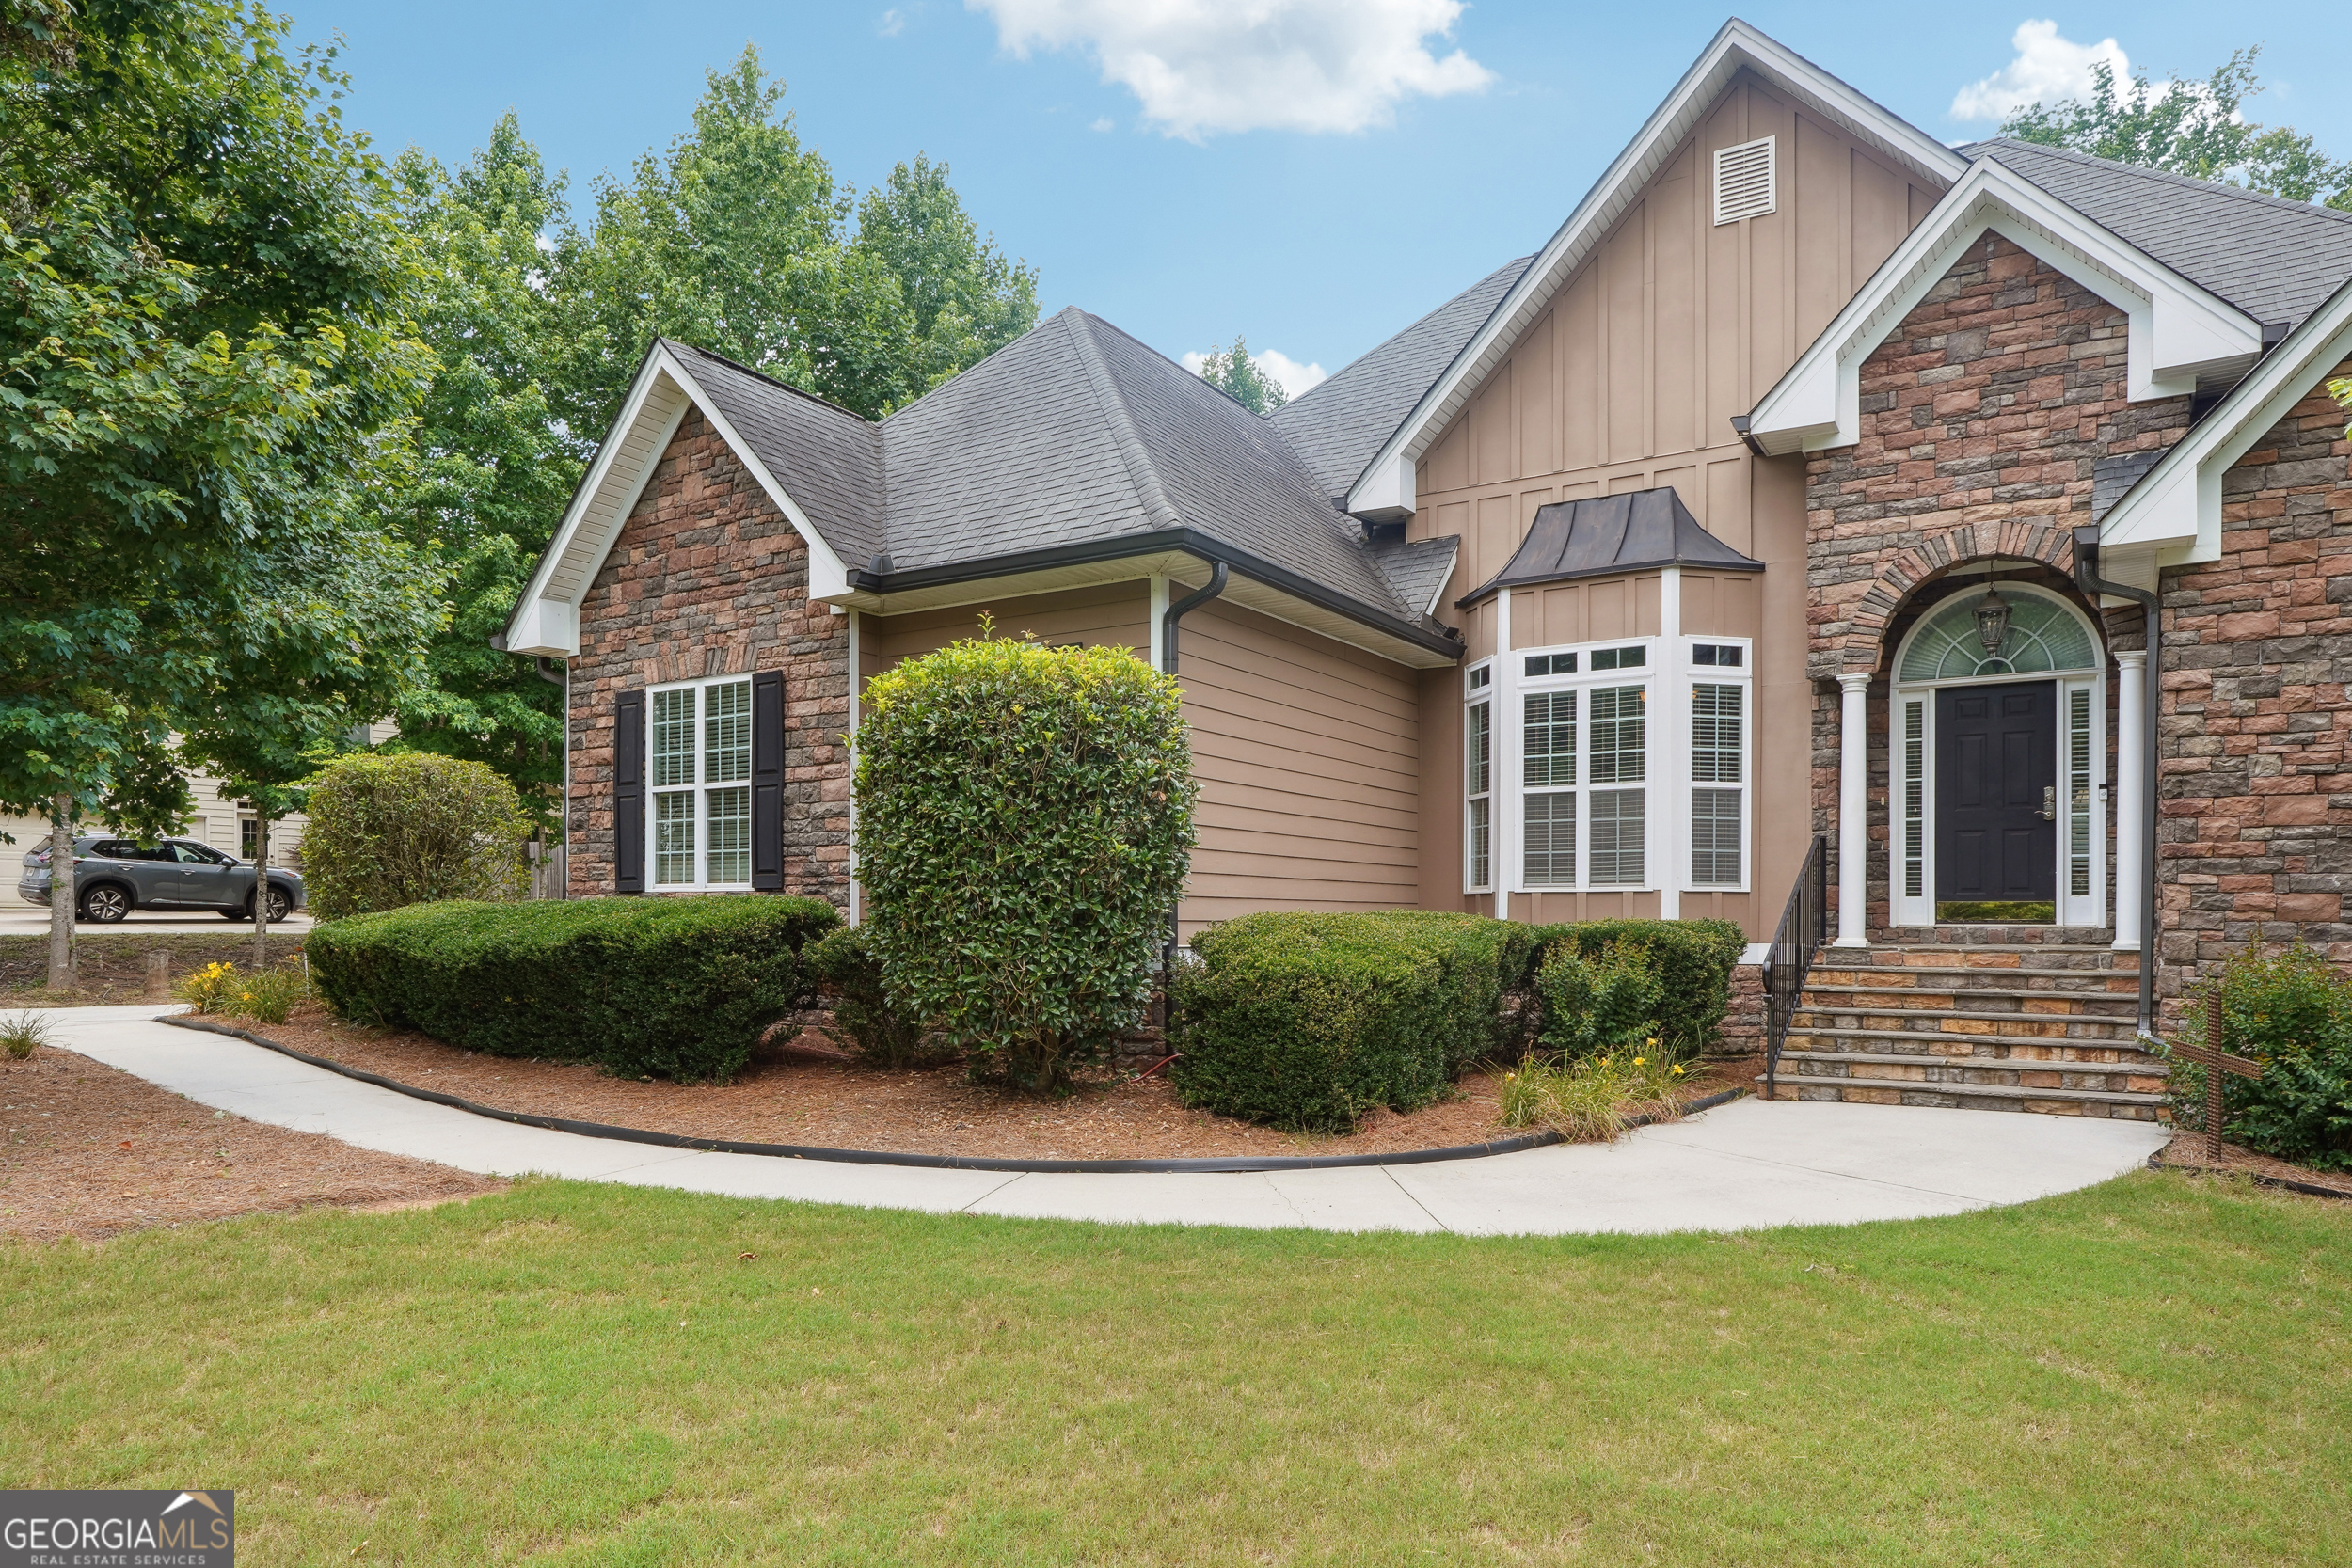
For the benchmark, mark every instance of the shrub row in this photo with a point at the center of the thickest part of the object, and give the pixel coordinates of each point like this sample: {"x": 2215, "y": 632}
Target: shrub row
{"x": 1308, "y": 1020}
{"x": 668, "y": 988}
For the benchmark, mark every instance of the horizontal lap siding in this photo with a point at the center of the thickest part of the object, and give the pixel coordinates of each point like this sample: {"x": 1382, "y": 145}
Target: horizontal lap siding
{"x": 1307, "y": 754}
{"x": 1118, "y": 614}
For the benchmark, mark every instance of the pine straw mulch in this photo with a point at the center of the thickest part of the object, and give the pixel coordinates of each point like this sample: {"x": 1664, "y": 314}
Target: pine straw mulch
{"x": 2186, "y": 1151}
{"x": 799, "y": 1093}
{"x": 88, "y": 1152}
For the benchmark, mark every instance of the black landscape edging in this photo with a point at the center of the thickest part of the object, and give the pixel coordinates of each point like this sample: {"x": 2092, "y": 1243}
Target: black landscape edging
{"x": 930, "y": 1162}
{"x": 2309, "y": 1189}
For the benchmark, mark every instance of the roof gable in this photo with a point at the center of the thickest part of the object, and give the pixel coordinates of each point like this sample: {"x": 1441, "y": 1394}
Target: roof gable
{"x": 2179, "y": 331}
{"x": 1386, "y": 486}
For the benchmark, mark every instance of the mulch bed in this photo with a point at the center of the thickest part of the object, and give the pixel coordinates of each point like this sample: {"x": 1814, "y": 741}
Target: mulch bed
{"x": 88, "y": 1152}
{"x": 112, "y": 967}
{"x": 790, "y": 1093}
{"x": 2186, "y": 1151}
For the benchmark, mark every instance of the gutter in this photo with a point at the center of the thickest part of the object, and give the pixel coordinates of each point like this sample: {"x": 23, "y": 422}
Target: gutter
{"x": 1191, "y": 542}
{"x": 2087, "y": 578}
{"x": 1739, "y": 423}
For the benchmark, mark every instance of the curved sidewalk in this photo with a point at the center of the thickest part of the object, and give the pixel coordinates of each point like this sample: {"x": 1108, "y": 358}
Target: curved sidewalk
{"x": 1740, "y": 1167}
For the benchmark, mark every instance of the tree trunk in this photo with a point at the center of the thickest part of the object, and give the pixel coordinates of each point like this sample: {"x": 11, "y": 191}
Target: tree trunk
{"x": 261, "y": 889}
{"x": 62, "y": 891}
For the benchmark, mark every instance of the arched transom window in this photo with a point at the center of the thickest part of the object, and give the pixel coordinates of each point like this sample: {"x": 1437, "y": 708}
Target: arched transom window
{"x": 2041, "y": 636}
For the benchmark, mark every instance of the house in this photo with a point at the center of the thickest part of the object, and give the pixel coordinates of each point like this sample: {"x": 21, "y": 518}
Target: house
{"x": 1814, "y": 481}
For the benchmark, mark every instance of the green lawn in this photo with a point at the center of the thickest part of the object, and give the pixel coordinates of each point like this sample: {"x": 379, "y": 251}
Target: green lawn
{"x": 2155, "y": 1372}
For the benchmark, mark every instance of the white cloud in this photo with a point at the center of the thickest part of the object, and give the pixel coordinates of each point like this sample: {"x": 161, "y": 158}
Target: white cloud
{"x": 893, "y": 22}
{"x": 1203, "y": 66}
{"x": 2047, "y": 70}
{"x": 1101, "y": 124}
{"x": 1292, "y": 376}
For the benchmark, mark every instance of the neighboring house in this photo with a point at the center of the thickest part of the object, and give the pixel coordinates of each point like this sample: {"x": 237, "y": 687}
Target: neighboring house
{"x": 1606, "y": 586}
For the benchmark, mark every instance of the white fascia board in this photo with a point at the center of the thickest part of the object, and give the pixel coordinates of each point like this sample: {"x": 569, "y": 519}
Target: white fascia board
{"x": 1386, "y": 486}
{"x": 2176, "y": 331}
{"x": 2175, "y": 509}
{"x": 546, "y": 622}
{"x": 617, "y": 475}
{"x": 828, "y": 575}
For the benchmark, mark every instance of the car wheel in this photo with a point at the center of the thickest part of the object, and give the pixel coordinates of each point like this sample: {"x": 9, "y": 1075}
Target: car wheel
{"x": 105, "y": 906}
{"x": 280, "y": 905}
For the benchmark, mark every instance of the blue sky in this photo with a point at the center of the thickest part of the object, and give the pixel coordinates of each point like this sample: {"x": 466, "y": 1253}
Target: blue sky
{"x": 1314, "y": 181}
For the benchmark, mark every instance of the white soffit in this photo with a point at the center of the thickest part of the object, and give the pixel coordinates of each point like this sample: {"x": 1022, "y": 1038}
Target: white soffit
{"x": 1386, "y": 485}
{"x": 2178, "y": 331}
{"x": 2173, "y": 514}
{"x": 547, "y": 619}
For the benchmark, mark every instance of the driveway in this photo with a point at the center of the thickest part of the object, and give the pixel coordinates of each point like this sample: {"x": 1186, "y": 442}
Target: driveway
{"x": 25, "y": 920}
{"x": 1743, "y": 1166}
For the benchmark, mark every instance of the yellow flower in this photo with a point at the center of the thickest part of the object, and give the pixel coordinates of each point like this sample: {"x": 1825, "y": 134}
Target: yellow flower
{"x": 1678, "y": 1072}
{"x": 1651, "y": 1042}
{"x": 1639, "y": 1060}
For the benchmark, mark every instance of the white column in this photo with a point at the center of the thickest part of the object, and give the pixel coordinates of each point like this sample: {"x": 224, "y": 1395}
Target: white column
{"x": 1159, "y": 608}
{"x": 2131, "y": 795}
{"x": 1853, "y": 811}
{"x": 1503, "y": 808}
{"x": 1670, "y": 754}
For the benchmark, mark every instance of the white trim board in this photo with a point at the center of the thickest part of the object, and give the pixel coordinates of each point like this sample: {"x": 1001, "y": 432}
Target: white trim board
{"x": 2172, "y": 516}
{"x": 1386, "y": 487}
{"x": 547, "y": 618}
{"x": 2178, "y": 331}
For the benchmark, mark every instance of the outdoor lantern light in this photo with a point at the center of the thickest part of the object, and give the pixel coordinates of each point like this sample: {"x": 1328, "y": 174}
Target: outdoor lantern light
{"x": 1992, "y": 622}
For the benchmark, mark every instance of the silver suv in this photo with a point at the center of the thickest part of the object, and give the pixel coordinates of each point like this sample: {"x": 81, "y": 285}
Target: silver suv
{"x": 114, "y": 876}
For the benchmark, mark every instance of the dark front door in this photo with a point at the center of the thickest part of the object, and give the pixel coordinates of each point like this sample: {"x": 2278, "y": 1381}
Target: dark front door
{"x": 1995, "y": 774}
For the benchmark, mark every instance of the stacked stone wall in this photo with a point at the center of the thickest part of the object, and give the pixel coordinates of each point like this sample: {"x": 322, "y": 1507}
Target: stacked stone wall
{"x": 2256, "y": 837}
{"x": 1983, "y": 417}
{"x": 707, "y": 577}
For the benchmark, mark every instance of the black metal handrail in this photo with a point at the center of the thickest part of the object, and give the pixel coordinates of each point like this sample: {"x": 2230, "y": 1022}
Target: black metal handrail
{"x": 1804, "y": 929}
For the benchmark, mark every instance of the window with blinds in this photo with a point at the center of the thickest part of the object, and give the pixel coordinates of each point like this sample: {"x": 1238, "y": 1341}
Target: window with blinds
{"x": 701, "y": 752}
{"x": 1718, "y": 758}
{"x": 1478, "y": 781}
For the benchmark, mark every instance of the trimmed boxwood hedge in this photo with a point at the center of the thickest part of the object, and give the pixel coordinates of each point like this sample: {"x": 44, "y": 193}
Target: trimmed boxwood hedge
{"x": 1695, "y": 959}
{"x": 1308, "y": 1020}
{"x": 668, "y": 988}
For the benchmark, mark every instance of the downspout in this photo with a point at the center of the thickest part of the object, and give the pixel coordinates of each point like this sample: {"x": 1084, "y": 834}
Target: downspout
{"x": 2087, "y": 578}
{"x": 564, "y": 821}
{"x": 1175, "y": 613}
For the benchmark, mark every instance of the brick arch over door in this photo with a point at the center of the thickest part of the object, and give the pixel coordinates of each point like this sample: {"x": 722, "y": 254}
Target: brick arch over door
{"x": 1862, "y": 644}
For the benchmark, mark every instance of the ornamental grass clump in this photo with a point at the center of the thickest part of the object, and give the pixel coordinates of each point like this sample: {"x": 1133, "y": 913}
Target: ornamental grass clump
{"x": 388, "y": 832}
{"x": 21, "y": 1034}
{"x": 1594, "y": 1098}
{"x": 1025, "y": 824}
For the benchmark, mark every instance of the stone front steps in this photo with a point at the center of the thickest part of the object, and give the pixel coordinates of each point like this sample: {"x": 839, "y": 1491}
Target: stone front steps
{"x": 1954, "y": 1019}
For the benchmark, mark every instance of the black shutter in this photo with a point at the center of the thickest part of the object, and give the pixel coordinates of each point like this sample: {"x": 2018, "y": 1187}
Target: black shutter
{"x": 768, "y": 782}
{"x": 629, "y": 792}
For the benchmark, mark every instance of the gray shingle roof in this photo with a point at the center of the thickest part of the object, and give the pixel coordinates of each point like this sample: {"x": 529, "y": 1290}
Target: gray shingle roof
{"x": 1625, "y": 532}
{"x": 2278, "y": 261}
{"x": 827, "y": 459}
{"x": 1417, "y": 571}
{"x": 1338, "y": 426}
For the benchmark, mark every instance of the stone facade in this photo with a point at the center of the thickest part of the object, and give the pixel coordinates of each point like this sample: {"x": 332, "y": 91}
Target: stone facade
{"x": 2255, "y": 838}
{"x": 707, "y": 577}
{"x": 1983, "y": 417}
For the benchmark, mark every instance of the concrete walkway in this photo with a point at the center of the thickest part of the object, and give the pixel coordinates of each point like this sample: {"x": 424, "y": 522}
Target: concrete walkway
{"x": 1740, "y": 1167}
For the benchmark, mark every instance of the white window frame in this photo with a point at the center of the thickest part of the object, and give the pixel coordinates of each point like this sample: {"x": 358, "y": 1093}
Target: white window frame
{"x": 1585, "y": 681}
{"x": 700, "y": 789}
{"x": 1686, "y": 766}
{"x": 1478, "y": 693}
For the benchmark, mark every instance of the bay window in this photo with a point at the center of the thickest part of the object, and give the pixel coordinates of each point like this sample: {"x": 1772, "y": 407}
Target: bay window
{"x": 1478, "y": 781}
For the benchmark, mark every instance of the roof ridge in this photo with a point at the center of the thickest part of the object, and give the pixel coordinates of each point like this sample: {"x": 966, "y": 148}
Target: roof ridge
{"x": 1124, "y": 434}
{"x": 2219, "y": 187}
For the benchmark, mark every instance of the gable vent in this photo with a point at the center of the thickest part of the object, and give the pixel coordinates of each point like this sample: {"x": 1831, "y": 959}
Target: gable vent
{"x": 1743, "y": 181}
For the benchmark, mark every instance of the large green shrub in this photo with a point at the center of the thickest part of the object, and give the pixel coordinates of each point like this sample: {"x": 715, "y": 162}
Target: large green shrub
{"x": 1024, "y": 823}
{"x": 846, "y": 972}
{"x": 1695, "y": 959}
{"x": 1607, "y": 1003}
{"x": 1308, "y": 1020}
{"x": 669, "y": 988}
{"x": 2291, "y": 1011}
{"x": 386, "y": 831}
